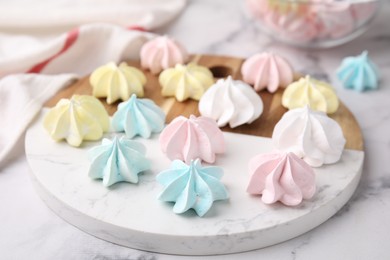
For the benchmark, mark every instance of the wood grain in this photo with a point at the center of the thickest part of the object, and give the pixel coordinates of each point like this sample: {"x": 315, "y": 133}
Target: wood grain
{"x": 221, "y": 67}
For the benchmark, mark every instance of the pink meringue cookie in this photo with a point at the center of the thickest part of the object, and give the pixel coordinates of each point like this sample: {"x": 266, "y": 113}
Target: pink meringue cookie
{"x": 281, "y": 177}
{"x": 267, "y": 70}
{"x": 189, "y": 139}
{"x": 333, "y": 19}
{"x": 299, "y": 28}
{"x": 162, "y": 53}
{"x": 363, "y": 12}
{"x": 297, "y": 25}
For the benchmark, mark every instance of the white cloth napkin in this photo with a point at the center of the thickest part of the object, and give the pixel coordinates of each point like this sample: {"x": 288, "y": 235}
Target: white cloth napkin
{"x": 66, "y": 14}
{"x": 78, "y": 51}
{"x": 31, "y": 42}
{"x": 59, "y": 60}
{"x": 21, "y": 98}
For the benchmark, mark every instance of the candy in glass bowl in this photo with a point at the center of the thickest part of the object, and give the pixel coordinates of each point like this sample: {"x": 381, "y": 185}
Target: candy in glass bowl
{"x": 314, "y": 23}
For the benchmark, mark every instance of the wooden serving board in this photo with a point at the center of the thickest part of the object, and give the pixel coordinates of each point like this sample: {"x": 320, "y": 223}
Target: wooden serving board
{"x": 221, "y": 67}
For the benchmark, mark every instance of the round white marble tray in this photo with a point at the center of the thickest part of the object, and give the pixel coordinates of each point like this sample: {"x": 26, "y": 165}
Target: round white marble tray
{"x": 130, "y": 215}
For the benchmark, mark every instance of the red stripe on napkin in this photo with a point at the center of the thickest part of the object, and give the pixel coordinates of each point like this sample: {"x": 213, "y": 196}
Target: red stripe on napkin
{"x": 71, "y": 37}
{"x": 136, "y": 28}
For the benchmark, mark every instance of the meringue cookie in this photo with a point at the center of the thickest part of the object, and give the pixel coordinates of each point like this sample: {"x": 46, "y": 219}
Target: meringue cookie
{"x": 281, "y": 177}
{"x": 334, "y": 18}
{"x": 292, "y": 25}
{"x": 358, "y": 73}
{"x": 117, "y": 82}
{"x": 185, "y": 82}
{"x": 162, "y": 53}
{"x": 311, "y": 135}
{"x": 117, "y": 160}
{"x": 313, "y": 23}
{"x": 192, "y": 186}
{"x": 231, "y": 101}
{"x": 267, "y": 70}
{"x": 363, "y": 12}
{"x": 308, "y": 91}
{"x": 138, "y": 117}
{"x": 80, "y": 118}
{"x": 188, "y": 139}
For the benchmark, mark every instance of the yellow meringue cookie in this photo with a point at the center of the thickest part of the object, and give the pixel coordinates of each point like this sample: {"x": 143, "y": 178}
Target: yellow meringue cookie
{"x": 317, "y": 94}
{"x": 117, "y": 82}
{"x": 185, "y": 82}
{"x": 79, "y": 118}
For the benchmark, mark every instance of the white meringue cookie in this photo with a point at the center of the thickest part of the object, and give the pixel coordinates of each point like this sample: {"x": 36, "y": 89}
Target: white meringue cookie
{"x": 231, "y": 102}
{"x": 311, "y": 135}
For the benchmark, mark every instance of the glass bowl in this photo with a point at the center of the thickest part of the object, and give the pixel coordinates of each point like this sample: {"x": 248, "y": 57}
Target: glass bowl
{"x": 314, "y": 23}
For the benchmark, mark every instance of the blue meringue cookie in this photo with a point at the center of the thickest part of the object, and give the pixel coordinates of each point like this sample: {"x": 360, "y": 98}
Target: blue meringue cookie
{"x": 138, "y": 117}
{"x": 192, "y": 186}
{"x": 358, "y": 73}
{"x": 117, "y": 160}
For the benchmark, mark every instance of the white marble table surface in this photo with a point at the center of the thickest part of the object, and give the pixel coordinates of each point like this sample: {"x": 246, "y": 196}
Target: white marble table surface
{"x": 361, "y": 230}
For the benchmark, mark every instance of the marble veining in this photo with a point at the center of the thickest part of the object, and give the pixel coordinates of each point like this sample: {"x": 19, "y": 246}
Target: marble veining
{"x": 126, "y": 214}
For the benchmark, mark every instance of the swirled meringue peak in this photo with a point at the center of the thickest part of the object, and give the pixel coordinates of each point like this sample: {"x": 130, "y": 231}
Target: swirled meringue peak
{"x": 267, "y": 70}
{"x": 281, "y": 177}
{"x": 79, "y": 118}
{"x": 138, "y": 117}
{"x": 162, "y": 53}
{"x": 117, "y": 82}
{"x": 358, "y": 73}
{"x": 317, "y": 94}
{"x": 117, "y": 160}
{"x": 311, "y": 135}
{"x": 191, "y": 138}
{"x": 185, "y": 81}
{"x": 231, "y": 102}
{"x": 192, "y": 186}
